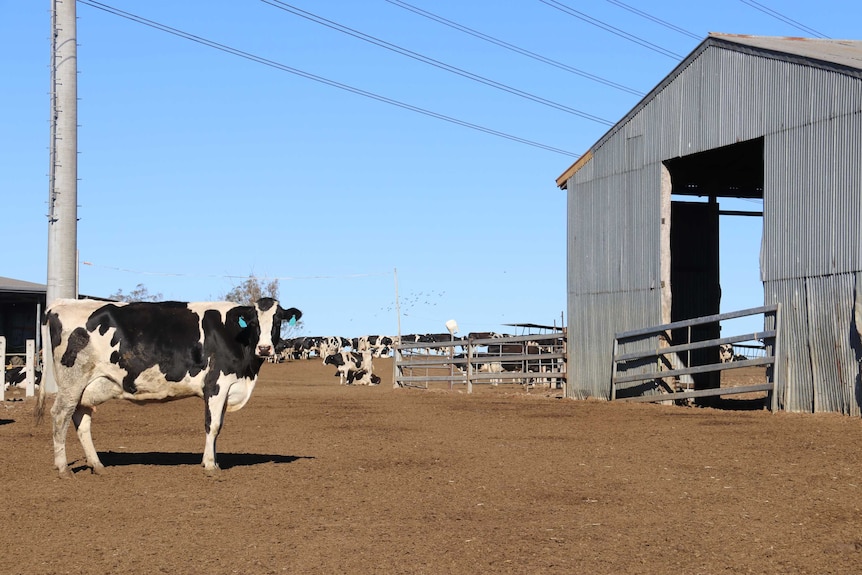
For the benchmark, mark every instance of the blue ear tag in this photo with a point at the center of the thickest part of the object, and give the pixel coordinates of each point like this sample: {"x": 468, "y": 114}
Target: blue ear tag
{"x": 292, "y": 321}
{"x": 242, "y": 322}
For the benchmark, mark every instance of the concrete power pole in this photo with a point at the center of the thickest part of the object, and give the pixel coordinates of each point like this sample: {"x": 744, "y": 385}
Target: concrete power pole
{"x": 63, "y": 171}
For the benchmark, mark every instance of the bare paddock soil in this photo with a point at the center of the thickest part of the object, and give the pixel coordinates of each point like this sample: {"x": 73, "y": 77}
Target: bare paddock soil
{"x": 328, "y": 479}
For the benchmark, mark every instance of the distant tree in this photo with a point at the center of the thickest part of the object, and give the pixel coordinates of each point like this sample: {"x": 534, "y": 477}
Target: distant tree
{"x": 140, "y": 293}
{"x": 251, "y": 290}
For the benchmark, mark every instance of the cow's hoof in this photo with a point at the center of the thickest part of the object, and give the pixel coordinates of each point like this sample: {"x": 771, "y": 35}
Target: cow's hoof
{"x": 66, "y": 474}
{"x": 98, "y": 469}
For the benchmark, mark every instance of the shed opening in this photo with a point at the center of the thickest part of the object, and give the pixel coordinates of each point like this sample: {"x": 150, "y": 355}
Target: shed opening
{"x": 716, "y": 206}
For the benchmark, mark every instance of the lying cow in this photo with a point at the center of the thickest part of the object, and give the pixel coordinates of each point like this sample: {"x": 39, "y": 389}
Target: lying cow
{"x": 17, "y": 375}
{"x": 155, "y": 352}
{"x": 353, "y": 368}
{"x": 727, "y": 354}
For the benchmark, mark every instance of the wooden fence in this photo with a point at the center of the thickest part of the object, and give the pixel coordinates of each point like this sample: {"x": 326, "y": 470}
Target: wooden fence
{"x": 535, "y": 359}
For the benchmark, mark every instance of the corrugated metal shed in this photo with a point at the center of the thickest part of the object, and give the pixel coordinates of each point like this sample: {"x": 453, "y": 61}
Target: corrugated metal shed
{"x": 741, "y": 116}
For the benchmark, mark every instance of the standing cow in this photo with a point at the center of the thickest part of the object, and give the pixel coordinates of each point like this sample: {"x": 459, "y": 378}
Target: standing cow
{"x": 155, "y": 352}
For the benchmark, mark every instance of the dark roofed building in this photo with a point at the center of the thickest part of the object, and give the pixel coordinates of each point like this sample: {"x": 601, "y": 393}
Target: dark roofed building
{"x": 21, "y": 306}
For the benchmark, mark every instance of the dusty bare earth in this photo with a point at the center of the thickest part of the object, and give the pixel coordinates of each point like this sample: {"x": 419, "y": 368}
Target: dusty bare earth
{"x": 322, "y": 478}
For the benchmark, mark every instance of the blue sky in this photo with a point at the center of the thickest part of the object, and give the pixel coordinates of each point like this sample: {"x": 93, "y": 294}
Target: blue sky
{"x": 198, "y": 167}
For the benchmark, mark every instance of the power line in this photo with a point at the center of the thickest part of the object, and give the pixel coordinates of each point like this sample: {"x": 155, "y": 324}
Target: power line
{"x": 436, "y": 63}
{"x": 512, "y": 47}
{"x": 322, "y": 80}
{"x": 228, "y": 276}
{"x": 779, "y": 16}
{"x": 613, "y": 30}
{"x": 655, "y": 19}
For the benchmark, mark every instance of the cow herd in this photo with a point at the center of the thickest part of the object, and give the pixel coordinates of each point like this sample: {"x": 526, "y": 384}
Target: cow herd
{"x": 160, "y": 351}
{"x": 353, "y": 358}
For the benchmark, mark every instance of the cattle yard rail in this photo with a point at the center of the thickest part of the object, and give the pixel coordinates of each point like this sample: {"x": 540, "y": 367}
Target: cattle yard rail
{"x": 30, "y": 366}
{"x": 535, "y": 359}
{"x": 669, "y": 366}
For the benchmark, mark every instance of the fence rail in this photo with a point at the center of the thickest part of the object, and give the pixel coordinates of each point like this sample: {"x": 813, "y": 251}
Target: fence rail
{"x": 665, "y": 365}
{"x": 527, "y": 359}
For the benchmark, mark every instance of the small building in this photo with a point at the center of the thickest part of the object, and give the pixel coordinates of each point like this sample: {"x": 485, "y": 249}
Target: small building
{"x": 767, "y": 118}
{"x": 22, "y": 304}
{"x": 21, "y": 307}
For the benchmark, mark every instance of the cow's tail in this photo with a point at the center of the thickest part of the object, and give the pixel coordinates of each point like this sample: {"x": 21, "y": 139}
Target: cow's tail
{"x": 47, "y": 374}
{"x": 39, "y": 410}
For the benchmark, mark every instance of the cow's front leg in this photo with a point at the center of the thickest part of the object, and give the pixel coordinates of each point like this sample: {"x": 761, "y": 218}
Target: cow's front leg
{"x": 213, "y": 420}
{"x": 82, "y": 418}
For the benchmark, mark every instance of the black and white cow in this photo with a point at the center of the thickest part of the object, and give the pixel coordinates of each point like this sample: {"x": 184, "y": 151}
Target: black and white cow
{"x": 17, "y": 375}
{"x": 329, "y": 345}
{"x": 379, "y": 345}
{"x": 353, "y": 368}
{"x": 727, "y": 354}
{"x": 147, "y": 352}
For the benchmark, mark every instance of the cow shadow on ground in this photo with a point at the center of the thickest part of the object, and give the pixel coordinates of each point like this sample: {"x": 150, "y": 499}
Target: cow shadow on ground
{"x": 6, "y": 421}
{"x": 225, "y": 460}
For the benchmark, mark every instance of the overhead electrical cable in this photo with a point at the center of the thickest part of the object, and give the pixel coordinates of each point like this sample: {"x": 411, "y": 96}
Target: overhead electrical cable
{"x": 513, "y": 48}
{"x": 787, "y": 20}
{"x": 322, "y": 80}
{"x": 652, "y": 18}
{"x": 613, "y": 30}
{"x": 436, "y": 63}
{"x": 228, "y": 276}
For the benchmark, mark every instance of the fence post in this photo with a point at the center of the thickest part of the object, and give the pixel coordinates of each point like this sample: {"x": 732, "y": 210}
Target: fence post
{"x": 396, "y": 357}
{"x": 776, "y": 353}
{"x": 30, "y": 368}
{"x": 469, "y": 365}
{"x": 3, "y": 362}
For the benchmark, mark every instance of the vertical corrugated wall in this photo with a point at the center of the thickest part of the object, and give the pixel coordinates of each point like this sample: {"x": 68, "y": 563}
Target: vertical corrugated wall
{"x": 820, "y": 352}
{"x": 811, "y": 122}
{"x": 613, "y": 270}
{"x": 812, "y": 254}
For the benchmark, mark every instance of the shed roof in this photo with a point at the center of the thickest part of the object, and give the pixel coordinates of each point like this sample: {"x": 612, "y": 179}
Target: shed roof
{"x": 842, "y": 56}
{"x": 10, "y": 285}
{"x": 16, "y": 288}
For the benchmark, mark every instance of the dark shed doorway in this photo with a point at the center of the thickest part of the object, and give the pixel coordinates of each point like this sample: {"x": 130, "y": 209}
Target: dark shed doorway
{"x": 698, "y": 183}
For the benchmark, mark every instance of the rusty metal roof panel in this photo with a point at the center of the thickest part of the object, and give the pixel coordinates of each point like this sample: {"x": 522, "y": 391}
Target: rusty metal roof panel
{"x": 845, "y": 54}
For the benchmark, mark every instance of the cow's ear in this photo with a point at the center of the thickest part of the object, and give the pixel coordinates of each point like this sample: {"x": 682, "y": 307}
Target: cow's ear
{"x": 291, "y": 315}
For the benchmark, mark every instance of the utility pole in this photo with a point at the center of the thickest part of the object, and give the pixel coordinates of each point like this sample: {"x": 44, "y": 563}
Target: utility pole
{"x": 63, "y": 170}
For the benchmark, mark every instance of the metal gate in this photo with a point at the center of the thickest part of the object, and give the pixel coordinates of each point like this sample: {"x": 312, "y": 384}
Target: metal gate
{"x": 662, "y": 367}
{"x": 536, "y": 359}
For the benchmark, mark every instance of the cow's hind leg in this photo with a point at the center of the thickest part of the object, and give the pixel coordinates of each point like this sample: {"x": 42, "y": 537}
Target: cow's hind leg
{"x": 61, "y": 414}
{"x": 82, "y": 418}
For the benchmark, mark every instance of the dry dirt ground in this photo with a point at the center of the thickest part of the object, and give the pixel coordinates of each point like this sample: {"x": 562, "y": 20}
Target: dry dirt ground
{"x": 327, "y": 479}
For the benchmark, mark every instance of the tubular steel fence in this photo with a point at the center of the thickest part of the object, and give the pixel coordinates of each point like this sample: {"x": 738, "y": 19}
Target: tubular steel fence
{"x": 535, "y": 359}
{"x": 665, "y": 372}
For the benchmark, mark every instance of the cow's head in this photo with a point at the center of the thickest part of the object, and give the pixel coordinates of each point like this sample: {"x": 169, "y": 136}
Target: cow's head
{"x": 269, "y": 315}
